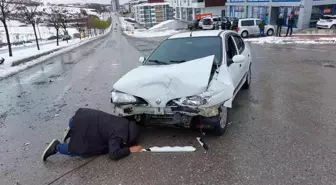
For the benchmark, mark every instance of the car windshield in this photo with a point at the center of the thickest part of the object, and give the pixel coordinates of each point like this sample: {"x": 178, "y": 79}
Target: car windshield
{"x": 328, "y": 17}
{"x": 180, "y": 50}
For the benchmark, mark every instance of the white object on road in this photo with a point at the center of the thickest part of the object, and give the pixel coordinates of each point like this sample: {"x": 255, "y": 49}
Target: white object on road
{"x": 170, "y": 149}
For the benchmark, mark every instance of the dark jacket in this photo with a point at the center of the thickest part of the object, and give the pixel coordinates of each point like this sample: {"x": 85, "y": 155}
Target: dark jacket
{"x": 262, "y": 25}
{"x": 280, "y": 21}
{"x": 95, "y": 132}
{"x": 291, "y": 21}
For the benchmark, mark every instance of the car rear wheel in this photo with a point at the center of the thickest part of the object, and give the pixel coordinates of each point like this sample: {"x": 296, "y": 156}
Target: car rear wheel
{"x": 244, "y": 34}
{"x": 221, "y": 126}
{"x": 270, "y": 32}
{"x": 333, "y": 26}
{"x": 248, "y": 79}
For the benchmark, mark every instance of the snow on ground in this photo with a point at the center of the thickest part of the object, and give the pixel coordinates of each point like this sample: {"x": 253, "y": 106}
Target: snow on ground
{"x": 161, "y": 25}
{"x": 291, "y": 40}
{"x": 159, "y": 31}
{"x": 6, "y": 69}
{"x": 18, "y": 34}
{"x": 148, "y": 34}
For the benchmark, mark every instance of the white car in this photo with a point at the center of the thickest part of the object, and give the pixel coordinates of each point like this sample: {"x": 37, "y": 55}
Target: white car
{"x": 206, "y": 23}
{"x": 327, "y": 21}
{"x": 250, "y": 26}
{"x": 191, "y": 78}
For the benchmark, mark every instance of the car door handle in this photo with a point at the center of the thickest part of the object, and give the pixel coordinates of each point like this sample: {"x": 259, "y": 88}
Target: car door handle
{"x": 239, "y": 65}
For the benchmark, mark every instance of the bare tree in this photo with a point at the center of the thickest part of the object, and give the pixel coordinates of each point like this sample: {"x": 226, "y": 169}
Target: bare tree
{"x": 64, "y": 19}
{"x": 54, "y": 19}
{"x": 30, "y": 13}
{"x": 7, "y": 7}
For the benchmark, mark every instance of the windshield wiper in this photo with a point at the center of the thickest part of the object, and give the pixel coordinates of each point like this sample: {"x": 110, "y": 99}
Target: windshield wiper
{"x": 177, "y": 61}
{"x": 157, "y": 61}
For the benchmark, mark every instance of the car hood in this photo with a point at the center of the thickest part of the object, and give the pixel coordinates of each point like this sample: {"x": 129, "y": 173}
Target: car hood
{"x": 167, "y": 82}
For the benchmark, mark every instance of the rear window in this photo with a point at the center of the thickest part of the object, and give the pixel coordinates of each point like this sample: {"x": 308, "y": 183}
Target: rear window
{"x": 247, "y": 23}
{"x": 180, "y": 50}
{"x": 206, "y": 21}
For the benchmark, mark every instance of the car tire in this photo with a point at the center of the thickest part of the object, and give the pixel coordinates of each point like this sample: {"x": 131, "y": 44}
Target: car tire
{"x": 333, "y": 26}
{"x": 244, "y": 34}
{"x": 248, "y": 79}
{"x": 221, "y": 126}
{"x": 270, "y": 32}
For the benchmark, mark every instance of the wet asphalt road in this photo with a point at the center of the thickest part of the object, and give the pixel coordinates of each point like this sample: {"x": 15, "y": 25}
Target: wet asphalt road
{"x": 282, "y": 129}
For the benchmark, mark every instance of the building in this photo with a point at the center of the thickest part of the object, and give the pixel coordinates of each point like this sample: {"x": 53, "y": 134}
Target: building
{"x": 306, "y": 12}
{"x": 188, "y": 10}
{"x": 115, "y": 5}
{"x": 152, "y": 13}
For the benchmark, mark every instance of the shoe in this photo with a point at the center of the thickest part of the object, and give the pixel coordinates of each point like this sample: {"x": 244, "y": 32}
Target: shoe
{"x": 50, "y": 150}
{"x": 66, "y": 135}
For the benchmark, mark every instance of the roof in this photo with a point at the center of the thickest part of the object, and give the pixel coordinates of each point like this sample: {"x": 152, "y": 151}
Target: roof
{"x": 209, "y": 33}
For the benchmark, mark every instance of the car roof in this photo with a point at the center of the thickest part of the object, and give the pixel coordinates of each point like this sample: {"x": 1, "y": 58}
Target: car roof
{"x": 208, "y": 33}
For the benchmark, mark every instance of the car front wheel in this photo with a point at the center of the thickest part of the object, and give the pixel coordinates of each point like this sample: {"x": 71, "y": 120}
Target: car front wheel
{"x": 248, "y": 79}
{"x": 221, "y": 126}
{"x": 244, "y": 34}
{"x": 333, "y": 26}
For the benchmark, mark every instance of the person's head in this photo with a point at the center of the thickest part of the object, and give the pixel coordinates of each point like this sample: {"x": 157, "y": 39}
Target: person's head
{"x": 133, "y": 133}
{"x": 281, "y": 16}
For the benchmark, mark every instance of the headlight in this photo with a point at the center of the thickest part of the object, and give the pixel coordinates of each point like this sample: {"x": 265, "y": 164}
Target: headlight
{"x": 193, "y": 100}
{"x": 119, "y": 97}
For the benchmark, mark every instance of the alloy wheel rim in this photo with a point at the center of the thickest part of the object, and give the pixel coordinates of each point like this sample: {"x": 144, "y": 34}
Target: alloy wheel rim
{"x": 223, "y": 116}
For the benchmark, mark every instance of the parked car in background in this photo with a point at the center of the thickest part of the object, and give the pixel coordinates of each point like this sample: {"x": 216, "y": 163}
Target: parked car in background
{"x": 327, "y": 21}
{"x": 250, "y": 26}
{"x": 66, "y": 37}
{"x": 191, "y": 83}
{"x": 208, "y": 23}
{"x": 194, "y": 25}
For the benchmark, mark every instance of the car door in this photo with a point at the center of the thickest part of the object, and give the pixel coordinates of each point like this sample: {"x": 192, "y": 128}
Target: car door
{"x": 234, "y": 69}
{"x": 242, "y": 50}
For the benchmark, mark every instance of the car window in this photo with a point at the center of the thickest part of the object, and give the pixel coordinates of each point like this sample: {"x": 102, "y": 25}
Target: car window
{"x": 207, "y": 22}
{"x": 247, "y": 23}
{"x": 240, "y": 43}
{"x": 258, "y": 22}
{"x": 180, "y": 50}
{"x": 217, "y": 19}
{"x": 231, "y": 51}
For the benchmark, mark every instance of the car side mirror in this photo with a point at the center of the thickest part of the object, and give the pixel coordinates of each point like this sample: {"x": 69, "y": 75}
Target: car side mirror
{"x": 142, "y": 59}
{"x": 238, "y": 59}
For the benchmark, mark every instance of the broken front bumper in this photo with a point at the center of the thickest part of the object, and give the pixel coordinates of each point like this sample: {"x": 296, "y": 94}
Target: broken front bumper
{"x": 129, "y": 110}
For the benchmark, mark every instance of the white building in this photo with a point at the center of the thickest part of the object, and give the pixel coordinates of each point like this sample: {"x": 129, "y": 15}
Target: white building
{"x": 188, "y": 10}
{"x": 150, "y": 14}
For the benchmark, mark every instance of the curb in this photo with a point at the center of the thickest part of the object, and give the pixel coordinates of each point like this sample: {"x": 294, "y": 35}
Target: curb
{"x": 50, "y": 54}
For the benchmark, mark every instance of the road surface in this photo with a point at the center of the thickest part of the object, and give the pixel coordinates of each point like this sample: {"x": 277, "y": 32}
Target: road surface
{"x": 282, "y": 130}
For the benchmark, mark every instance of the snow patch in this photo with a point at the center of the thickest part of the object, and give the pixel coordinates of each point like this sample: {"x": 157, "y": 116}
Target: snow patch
{"x": 290, "y": 40}
{"x": 162, "y": 25}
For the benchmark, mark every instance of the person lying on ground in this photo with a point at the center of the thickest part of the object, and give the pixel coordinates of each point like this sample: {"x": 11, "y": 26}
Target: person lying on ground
{"x": 93, "y": 132}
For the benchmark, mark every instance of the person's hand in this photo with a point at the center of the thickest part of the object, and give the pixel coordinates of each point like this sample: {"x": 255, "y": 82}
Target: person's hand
{"x": 134, "y": 149}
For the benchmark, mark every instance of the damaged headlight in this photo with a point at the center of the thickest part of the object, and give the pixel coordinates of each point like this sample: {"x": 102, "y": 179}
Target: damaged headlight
{"x": 119, "y": 97}
{"x": 193, "y": 100}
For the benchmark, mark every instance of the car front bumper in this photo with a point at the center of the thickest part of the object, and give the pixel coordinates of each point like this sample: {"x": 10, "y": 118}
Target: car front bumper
{"x": 322, "y": 26}
{"x": 129, "y": 110}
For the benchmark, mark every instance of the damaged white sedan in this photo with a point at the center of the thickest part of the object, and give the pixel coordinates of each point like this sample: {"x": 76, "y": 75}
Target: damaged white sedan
{"x": 189, "y": 80}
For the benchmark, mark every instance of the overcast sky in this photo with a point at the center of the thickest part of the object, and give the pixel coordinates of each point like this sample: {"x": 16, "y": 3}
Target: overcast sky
{"x": 84, "y": 1}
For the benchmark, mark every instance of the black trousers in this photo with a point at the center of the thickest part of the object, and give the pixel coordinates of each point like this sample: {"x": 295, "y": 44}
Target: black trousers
{"x": 278, "y": 33}
{"x": 291, "y": 30}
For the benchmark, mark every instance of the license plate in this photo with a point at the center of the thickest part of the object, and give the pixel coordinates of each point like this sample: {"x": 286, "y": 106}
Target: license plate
{"x": 159, "y": 111}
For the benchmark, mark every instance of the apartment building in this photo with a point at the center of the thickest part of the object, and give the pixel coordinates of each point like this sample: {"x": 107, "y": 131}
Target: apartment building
{"x": 188, "y": 10}
{"x": 152, "y": 13}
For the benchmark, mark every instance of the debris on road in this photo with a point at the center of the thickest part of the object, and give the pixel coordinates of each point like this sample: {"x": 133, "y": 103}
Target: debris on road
{"x": 2, "y": 60}
{"x": 170, "y": 149}
{"x": 329, "y": 65}
{"x": 202, "y": 143}
{"x": 26, "y": 144}
{"x": 56, "y": 115}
